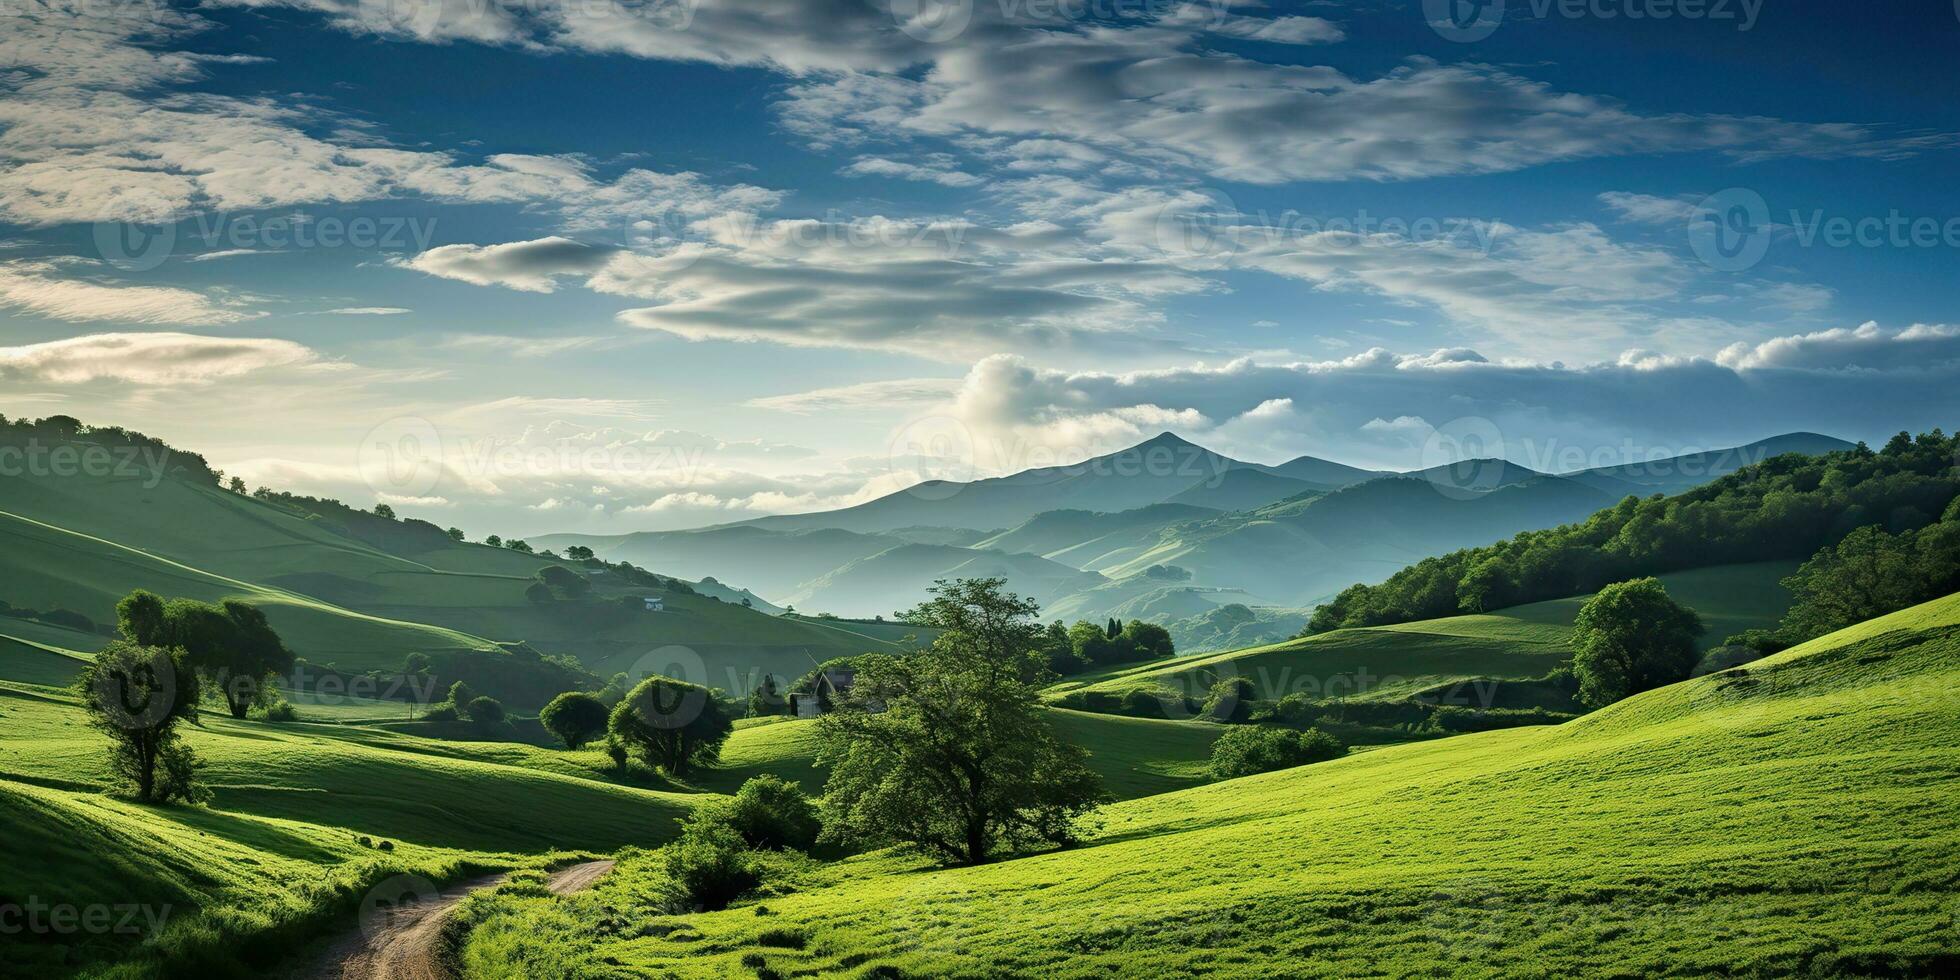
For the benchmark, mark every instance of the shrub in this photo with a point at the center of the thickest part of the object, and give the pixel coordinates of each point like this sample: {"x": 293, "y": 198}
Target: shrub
{"x": 710, "y": 862}
{"x": 486, "y": 711}
{"x": 277, "y": 710}
{"x": 771, "y": 813}
{"x": 441, "y": 711}
{"x": 1230, "y": 700}
{"x": 1255, "y": 749}
{"x": 782, "y": 938}
{"x": 575, "y": 717}
{"x": 1143, "y": 702}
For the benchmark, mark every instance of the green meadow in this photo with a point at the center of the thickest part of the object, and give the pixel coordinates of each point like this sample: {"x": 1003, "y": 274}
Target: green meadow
{"x": 1699, "y": 829}
{"x": 1396, "y": 662}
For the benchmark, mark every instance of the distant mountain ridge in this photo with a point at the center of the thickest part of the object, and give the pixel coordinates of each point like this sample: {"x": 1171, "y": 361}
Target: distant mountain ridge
{"x": 1165, "y": 530}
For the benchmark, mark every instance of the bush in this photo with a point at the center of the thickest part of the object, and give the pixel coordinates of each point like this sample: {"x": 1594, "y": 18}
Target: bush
{"x": 1143, "y": 702}
{"x": 771, "y": 813}
{"x": 486, "y": 711}
{"x": 278, "y": 710}
{"x": 441, "y": 711}
{"x": 1256, "y": 749}
{"x": 1230, "y": 700}
{"x": 782, "y": 938}
{"x": 575, "y": 717}
{"x": 710, "y": 863}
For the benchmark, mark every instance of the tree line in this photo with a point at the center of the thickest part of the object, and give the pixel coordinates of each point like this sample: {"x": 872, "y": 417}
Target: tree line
{"x": 1785, "y": 508}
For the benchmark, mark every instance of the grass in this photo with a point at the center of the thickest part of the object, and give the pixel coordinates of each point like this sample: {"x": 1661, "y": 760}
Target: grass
{"x": 339, "y": 600}
{"x": 1789, "y": 818}
{"x": 275, "y": 855}
{"x": 1393, "y": 662}
{"x": 1135, "y": 756}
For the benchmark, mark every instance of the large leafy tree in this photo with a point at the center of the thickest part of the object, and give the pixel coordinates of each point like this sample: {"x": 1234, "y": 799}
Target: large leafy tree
{"x": 137, "y": 695}
{"x": 947, "y": 750}
{"x": 231, "y": 644}
{"x": 673, "y": 725}
{"x": 575, "y": 717}
{"x": 1632, "y": 637}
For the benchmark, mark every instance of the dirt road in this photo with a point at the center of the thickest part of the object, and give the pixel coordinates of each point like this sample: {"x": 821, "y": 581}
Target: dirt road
{"x": 405, "y": 945}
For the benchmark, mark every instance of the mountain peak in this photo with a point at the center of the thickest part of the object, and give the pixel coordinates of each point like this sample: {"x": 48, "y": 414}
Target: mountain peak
{"x": 1169, "y": 440}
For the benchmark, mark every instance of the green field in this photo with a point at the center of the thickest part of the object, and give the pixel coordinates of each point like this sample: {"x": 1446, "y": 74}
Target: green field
{"x": 288, "y": 803}
{"x": 1392, "y": 662}
{"x": 1792, "y": 817}
{"x": 361, "y": 604}
{"x": 1135, "y": 756}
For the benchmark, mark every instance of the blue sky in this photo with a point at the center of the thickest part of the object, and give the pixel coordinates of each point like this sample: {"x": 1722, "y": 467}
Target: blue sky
{"x": 528, "y": 265}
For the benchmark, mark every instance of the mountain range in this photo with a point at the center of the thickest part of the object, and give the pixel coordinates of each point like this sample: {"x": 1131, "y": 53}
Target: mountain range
{"x": 1165, "y": 530}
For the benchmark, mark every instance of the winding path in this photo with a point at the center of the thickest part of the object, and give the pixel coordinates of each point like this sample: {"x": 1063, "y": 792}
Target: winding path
{"x": 407, "y": 947}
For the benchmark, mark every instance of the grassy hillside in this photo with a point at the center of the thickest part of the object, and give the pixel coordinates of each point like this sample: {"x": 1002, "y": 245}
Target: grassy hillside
{"x": 279, "y": 837}
{"x": 1395, "y": 662}
{"x": 1790, "y": 818}
{"x": 1135, "y": 756}
{"x": 356, "y": 590}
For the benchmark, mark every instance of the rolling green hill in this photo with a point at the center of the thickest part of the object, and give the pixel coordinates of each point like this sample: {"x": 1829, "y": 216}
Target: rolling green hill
{"x": 1788, "y": 818}
{"x": 276, "y": 849}
{"x": 362, "y": 592}
{"x": 1454, "y": 654}
{"x": 1135, "y": 756}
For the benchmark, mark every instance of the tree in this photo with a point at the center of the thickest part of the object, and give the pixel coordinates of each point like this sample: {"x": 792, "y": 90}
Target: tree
{"x": 575, "y": 717}
{"x": 1147, "y": 641}
{"x": 947, "y": 750}
{"x": 455, "y": 534}
{"x": 518, "y": 545}
{"x": 1630, "y": 638}
{"x": 486, "y": 710}
{"x": 772, "y": 813}
{"x": 237, "y": 485}
{"x": 137, "y": 695}
{"x": 579, "y": 552}
{"x": 460, "y": 696}
{"x": 140, "y": 617}
{"x": 384, "y": 512}
{"x": 494, "y": 541}
{"x": 673, "y": 725}
{"x": 254, "y": 654}
{"x": 1252, "y": 749}
{"x": 1866, "y": 575}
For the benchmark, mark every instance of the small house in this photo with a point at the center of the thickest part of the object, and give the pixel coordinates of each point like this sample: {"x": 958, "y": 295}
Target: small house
{"x": 655, "y": 603}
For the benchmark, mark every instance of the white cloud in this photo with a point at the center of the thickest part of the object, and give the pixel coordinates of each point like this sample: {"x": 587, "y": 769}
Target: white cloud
{"x": 156, "y": 359}
{"x": 936, "y": 171}
{"x": 1647, "y": 209}
{"x": 531, "y": 266}
{"x": 43, "y": 288}
{"x": 1866, "y": 347}
{"x": 869, "y": 395}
